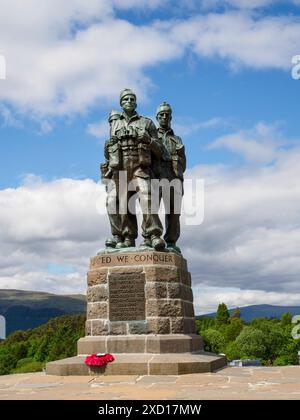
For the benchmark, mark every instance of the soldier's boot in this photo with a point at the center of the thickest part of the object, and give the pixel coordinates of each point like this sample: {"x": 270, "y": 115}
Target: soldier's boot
{"x": 172, "y": 246}
{"x": 146, "y": 242}
{"x": 113, "y": 241}
{"x": 128, "y": 242}
{"x": 157, "y": 243}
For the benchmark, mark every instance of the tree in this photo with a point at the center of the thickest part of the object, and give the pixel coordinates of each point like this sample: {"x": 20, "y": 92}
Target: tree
{"x": 232, "y": 351}
{"x": 7, "y": 362}
{"x": 214, "y": 341}
{"x": 288, "y": 353}
{"x": 251, "y": 343}
{"x": 204, "y": 323}
{"x": 54, "y": 340}
{"x": 274, "y": 337}
{"x": 222, "y": 317}
{"x": 236, "y": 314}
{"x": 233, "y": 329}
{"x": 286, "y": 319}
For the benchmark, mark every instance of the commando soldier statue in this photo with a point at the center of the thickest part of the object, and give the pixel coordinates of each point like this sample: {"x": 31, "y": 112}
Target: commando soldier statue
{"x": 132, "y": 149}
{"x": 172, "y": 168}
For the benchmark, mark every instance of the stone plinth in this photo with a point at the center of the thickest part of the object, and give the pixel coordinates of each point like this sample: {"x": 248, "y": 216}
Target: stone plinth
{"x": 140, "y": 307}
{"x": 139, "y": 293}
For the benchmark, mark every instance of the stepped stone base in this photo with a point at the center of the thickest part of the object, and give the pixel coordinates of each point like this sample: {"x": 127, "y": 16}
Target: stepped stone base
{"x": 141, "y": 364}
{"x": 140, "y": 309}
{"x": 175, "y": 343}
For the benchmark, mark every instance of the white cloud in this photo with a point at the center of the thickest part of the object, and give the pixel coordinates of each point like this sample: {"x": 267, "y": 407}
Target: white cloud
{"x": 7, "y": 118}
{"x": 52, "y": 211}
{"x": 65, "y": 62}
{"x": 261, "y": 144}
{"x": 241, "y": 38}
{"x": 46, "y": 223}
{"x": 187, "y": 126}
{"x": 100, "y": 129}
{"x": 81, "y": 57}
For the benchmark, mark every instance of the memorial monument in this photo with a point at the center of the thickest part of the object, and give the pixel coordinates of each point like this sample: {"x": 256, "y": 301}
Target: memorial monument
{"x": 139, "y": 298}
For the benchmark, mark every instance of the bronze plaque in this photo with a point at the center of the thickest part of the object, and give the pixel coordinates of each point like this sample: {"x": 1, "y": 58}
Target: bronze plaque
{"x": 126, "y": 297}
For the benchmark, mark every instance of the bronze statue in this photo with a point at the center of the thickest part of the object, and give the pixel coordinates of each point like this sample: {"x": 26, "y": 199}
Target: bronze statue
{"x": 132, "y": 149}
{"x": 172, "y": 167}
{"x": 110, "y": 172}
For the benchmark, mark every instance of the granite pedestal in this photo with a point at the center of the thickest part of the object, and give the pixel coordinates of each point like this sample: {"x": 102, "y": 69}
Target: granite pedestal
{"x": 140, "y": 309}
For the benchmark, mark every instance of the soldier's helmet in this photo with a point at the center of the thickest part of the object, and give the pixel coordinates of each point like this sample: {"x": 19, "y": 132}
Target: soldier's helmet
{"x": 164, "y": 107}
{"x": 113, "y": 115}
{"x": 125, "y": 92}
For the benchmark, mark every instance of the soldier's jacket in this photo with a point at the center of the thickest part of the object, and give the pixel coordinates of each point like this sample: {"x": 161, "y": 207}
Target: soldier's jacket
{"x": 173, "y": 152}
{"x": 112, "y": 153}
{"x": 130, "y": 137}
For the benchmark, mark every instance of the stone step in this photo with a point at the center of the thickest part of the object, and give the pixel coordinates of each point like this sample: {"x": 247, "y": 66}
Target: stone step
{"x": 141, "y": 364}
{"x": 159, "y": 343}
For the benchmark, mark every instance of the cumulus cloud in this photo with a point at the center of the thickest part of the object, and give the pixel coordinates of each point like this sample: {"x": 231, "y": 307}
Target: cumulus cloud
{"x": 100, "y": 129}
{"x": 241, "y": 38}
{"x": 79, "y": 58}
{"x": 64, "y": 62}
{"x": 188, "y": 126}
{"x": 52, "y": 210}
{"x": 46, "y": 223}
{"x": 7, "y": 118}
{"x": 261, "y": 144}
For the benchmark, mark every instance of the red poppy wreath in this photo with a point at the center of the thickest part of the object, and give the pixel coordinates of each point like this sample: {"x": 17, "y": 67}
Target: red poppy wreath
{"x": 99, "y": 359}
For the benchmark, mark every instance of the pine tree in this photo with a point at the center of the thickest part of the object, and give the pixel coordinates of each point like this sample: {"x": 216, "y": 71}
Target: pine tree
{"x": 222, "y": 317}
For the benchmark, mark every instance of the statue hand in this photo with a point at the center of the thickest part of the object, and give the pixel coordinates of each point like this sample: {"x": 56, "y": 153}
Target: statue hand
{"x": 145, "y": 138}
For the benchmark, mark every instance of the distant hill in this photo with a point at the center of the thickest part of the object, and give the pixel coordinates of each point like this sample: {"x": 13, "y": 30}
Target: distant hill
{"x": 25, "y": 309}
{"x": 261, "y": 311}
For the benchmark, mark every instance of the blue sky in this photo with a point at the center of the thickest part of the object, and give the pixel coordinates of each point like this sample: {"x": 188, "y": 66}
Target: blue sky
{"x": 225, "y": 67}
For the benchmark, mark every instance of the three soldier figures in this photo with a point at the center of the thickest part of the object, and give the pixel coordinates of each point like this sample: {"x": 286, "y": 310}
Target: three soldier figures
{"x": 139, "y": 161}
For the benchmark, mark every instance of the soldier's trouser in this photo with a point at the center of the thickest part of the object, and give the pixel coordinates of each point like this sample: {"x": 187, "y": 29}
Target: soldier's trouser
{"x": 112, "y": 206}
{"x": 172, "y": 204}
{"x": 172, "y": 222}
{"x": 151, "y": 224}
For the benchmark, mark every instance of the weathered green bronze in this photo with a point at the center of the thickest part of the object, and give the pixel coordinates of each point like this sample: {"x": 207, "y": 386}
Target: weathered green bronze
{"x": 143, "y": 153}
{"x": 133, "y": 148}
{"x": 172, "y": 167}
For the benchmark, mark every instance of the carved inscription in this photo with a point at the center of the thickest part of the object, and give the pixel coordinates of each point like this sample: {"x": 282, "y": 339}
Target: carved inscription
{"x": 142, "y": 258}
{"x": 126, "y": 297}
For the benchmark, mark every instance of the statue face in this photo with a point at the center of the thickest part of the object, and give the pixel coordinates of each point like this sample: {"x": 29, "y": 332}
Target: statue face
{"x": 128, "y": 103}
{"x": 164, "y": 119}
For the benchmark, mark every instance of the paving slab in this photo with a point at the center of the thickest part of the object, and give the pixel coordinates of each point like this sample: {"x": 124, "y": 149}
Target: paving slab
{"x": 233, "y": 383}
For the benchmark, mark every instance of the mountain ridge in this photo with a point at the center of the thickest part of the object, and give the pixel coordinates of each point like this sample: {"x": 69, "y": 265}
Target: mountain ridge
{"x": 260, "y": 311}
{"x": 25, "y": 309}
